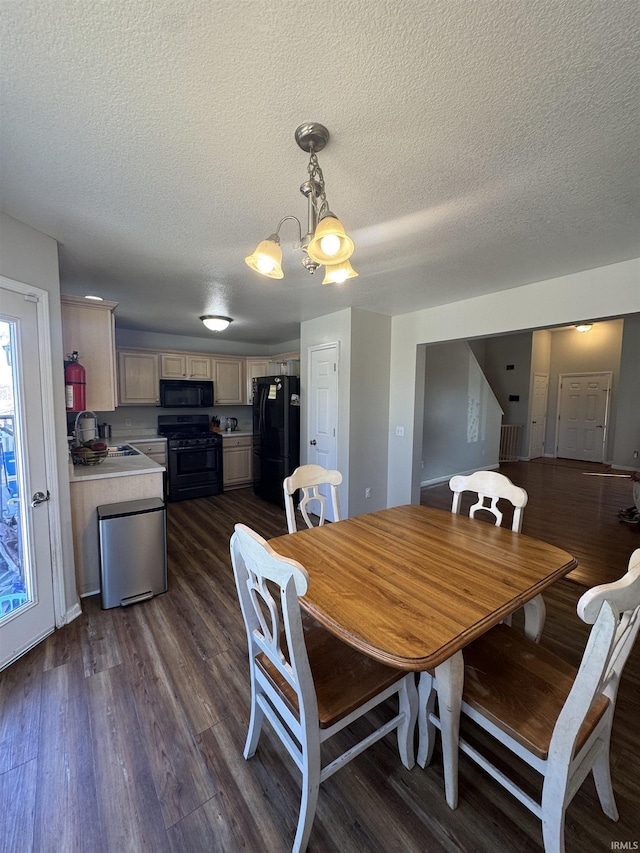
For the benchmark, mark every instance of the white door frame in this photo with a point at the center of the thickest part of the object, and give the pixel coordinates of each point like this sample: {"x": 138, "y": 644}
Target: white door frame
{"x": 607, "y": 412}
{"x": 43, "y": 314}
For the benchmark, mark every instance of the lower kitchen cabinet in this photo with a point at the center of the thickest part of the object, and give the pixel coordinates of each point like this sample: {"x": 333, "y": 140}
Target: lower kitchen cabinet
{"x": 236, "y": 460}
{"x": 154, "y": 448}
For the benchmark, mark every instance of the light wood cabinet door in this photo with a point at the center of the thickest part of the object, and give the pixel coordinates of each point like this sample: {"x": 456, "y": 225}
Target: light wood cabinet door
{"x": 255, "y": 367}
{"x": 173, "y": 366}
{"x": 228, "y": 381}
{"x": 155, "y": 449}
{"x": 177, "y": 365}
{"x": 89, "y": 328}
{"x": 138, "y": 383}
{"x": 199, "y": 367}
{"x": 236, "y": 461}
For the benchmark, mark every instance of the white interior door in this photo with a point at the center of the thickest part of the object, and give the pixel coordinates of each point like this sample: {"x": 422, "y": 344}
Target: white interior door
{"x": 583, "y": 411}
{"x": 538, "y": 415}
{"x": 26, "y": 579}
{"x": 322, "y": 412}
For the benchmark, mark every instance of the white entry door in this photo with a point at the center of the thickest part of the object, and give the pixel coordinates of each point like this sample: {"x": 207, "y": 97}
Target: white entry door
{"x": 26, "y": 578}
{"x": 583, "y": 411}
{"x": 322, "y": 412}
{"x": 538, "y": 415}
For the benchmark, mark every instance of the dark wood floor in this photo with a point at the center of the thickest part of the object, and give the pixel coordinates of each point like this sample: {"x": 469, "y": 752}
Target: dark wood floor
{"x": 124, "y": 730}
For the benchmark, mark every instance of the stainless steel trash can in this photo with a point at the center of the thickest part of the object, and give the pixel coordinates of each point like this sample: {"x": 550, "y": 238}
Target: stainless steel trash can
{"x": 133, "y": 551}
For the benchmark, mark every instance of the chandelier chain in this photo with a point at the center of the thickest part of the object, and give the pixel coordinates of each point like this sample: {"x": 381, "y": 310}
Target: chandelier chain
{"x": 315, "y": 175}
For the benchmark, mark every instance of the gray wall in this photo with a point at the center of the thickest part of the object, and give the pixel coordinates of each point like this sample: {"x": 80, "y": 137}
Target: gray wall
{"x": 627, "y": 432}
{"x": 461, "y": 428}
{"x": 207, "y": 343}
{"x": 28, "y": 256}
{"x": 584, "y": 352}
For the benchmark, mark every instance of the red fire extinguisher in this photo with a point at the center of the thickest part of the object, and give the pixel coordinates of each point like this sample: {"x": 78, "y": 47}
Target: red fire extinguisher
{"x": 75, "y": 384}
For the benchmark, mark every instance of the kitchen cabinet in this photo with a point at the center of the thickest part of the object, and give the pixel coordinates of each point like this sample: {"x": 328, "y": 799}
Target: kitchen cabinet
{"x": 154, "y": 448}
{"x": 138, "y": 381}
{"x": 228, "y": 381}
{"x": 88, "y": 327}
{"x": 185, "y": 366}
{"x": 254, "y": 368}
{"x": 236, "y": 460}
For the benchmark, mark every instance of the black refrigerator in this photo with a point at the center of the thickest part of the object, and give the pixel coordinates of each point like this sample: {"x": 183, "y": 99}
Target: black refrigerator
{"x": 276, "y": 434}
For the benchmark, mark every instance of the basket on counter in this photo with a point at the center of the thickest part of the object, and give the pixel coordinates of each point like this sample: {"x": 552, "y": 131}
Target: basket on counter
{"x": 87, "y": 456}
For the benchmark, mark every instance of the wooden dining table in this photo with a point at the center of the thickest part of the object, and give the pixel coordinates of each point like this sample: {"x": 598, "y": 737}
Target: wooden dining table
{"x": 411, "y": 586}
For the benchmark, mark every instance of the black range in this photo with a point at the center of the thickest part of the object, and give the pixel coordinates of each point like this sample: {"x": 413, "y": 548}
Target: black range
{"x": 194, "y": 459}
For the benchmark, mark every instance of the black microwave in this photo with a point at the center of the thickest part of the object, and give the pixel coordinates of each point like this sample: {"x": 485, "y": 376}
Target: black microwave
{"x": 186, "y": 394}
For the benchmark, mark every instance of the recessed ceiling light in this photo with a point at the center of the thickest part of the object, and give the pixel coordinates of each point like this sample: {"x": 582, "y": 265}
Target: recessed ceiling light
{"x": 215, "y": 323}
{"x": 95, "y": 298}
{"x": 584, "y": 327}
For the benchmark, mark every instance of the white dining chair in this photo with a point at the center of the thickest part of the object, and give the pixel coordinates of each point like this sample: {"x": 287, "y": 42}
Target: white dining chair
{"x": 305, "y": 681}
{"x": 490, "y": 487}
{"x": 554, "y": 718}
{"x": 309, "y": 479}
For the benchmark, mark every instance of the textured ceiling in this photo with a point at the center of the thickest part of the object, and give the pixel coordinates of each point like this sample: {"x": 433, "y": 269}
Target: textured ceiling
{"x": 474, "y": 147}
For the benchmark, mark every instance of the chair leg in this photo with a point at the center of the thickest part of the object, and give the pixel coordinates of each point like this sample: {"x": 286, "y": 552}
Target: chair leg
{"x": 408, "y": 705}
{"x": 255, "y": 726}
{"x": 426, "y": 729}
{"x": 309, "y": 800}
{"x": 602, "y": 777}
{"x": 535, "y": 613}
{"x": 553, "y": 810}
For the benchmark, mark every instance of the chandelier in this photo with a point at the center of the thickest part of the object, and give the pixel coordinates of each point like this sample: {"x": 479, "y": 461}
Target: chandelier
{"x": 326, "y": 242}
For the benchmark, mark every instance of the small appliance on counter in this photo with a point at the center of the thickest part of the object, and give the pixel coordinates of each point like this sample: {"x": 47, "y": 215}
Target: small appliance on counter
{"x": 232, "y": 425}
{"x": 86, "y": 427}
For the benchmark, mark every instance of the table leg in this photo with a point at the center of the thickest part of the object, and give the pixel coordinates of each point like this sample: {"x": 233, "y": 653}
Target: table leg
{"x": 449, "y": 679}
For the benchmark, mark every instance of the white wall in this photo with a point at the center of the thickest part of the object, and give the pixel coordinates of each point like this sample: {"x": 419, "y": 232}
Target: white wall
{"x": 31, "y": 257}
{"x": 513, "y": 351}
{"x": 364, "y": 342}
{"x": 600, "y": 293}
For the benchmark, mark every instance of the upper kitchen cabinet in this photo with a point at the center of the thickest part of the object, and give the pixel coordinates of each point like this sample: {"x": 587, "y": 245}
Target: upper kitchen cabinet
{"x": 228, "y": 381}
{"x": 88, "y": 327}
{"x": 138, "y": 382}
{"x": 255, "y": 367}
{"x": 176, "y": 365}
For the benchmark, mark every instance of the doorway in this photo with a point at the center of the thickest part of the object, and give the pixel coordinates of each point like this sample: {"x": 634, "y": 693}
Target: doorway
{"x": 26, "y": 578}
{"x": 539, "y": 402}
{"x": 583, "y": 412}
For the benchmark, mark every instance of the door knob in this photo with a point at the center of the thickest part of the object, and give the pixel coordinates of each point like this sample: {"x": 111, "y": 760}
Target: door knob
{"x": 40, "y": 498}
{"x": 313, "y": 441}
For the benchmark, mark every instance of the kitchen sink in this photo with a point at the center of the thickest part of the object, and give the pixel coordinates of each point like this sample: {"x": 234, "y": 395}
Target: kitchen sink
{"x": 122, "y": 450}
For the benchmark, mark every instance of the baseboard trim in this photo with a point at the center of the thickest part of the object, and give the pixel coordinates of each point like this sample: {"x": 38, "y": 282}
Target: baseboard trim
{"x": 437, "y": 480}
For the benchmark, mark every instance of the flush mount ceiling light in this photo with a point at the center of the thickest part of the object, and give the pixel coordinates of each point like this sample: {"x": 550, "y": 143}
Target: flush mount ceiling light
{"x": 584, "y": 327}
{"x": 215, "y": 323}
{"x": 326, "y": 242}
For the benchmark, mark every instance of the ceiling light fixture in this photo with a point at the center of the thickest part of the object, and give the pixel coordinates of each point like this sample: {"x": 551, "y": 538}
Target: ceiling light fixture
{"x": 326, "y": 242}
{"x": 215, "y": 323}
{"x": 584, "y": 327}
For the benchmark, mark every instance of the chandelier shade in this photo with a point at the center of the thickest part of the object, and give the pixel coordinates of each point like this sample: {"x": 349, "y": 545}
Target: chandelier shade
{"x": 330, "y": 243}
{"x": 338, "y": 273}
{"x": 267, "y": 258}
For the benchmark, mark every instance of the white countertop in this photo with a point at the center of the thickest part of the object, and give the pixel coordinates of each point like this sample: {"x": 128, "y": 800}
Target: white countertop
{"x": 234, "y": 433}
{"x": 137, "y": 438}
{"x": 119, "y": 466}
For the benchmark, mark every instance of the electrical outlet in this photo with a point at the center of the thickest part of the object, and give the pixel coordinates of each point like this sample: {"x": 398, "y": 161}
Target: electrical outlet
{"x": 127, "y": 421}
{"x": 399, "y": 430}
{"x": 635, "y": 454}
{"x": 367, "y": 492}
